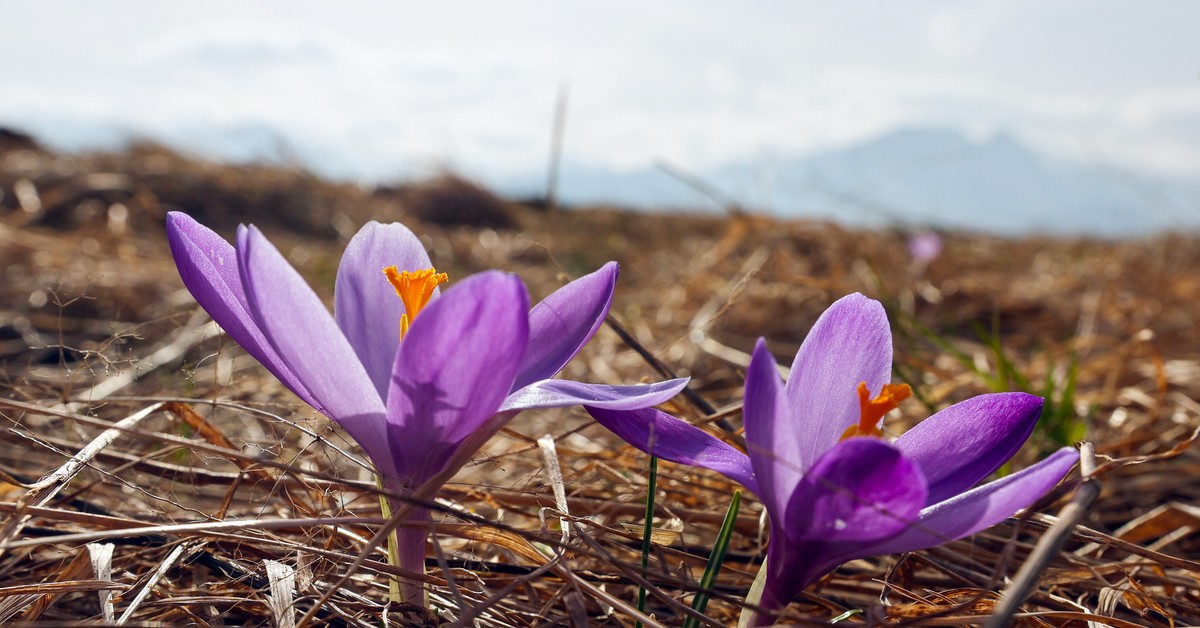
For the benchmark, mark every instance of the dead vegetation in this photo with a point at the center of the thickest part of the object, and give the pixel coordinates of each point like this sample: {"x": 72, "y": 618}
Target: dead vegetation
{"x": 152, "y": 472}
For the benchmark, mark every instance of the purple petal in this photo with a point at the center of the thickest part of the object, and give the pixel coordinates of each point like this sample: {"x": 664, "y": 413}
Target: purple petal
{"x": 563, "y": 322}
{"x": 365, "y": 303}
{"x": 961, "y": 445}
{"x": 660, "y": 434}
{"x": 208, "y": 266}
{"x": 771, "y": 440}
{"x": 861, "y": 490}
{"x": 296, "y": 323}
{"x": 981, "y": 508}
{"x": 802, "y": 562}
{"x": 561, "y": 393}
{"x": 850, "y": 343}
{"x": 454, "y": 369}
{"x": 791, "y": 567}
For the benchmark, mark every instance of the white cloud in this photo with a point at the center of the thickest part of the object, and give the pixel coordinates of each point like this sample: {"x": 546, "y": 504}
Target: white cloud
{"x": 963, "y": 29}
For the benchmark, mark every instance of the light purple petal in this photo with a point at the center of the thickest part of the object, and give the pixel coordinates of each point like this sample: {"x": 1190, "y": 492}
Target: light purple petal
{"x": 861, "y": 490}
{"x": 981, "y": 508}
{"x": 208, "y": 266}
{"x": 454, "y": 369}
{"x": 771, "y": 428}
{"x": 850, "y": 343}
{"x": 561, "y": 393}
{"x": 965, "y": 443}
{"x": 366, "y": 307}
{"x": 660, "y": 434}
{"x": 563, "y": 322}
{"x": 296, "y": 323}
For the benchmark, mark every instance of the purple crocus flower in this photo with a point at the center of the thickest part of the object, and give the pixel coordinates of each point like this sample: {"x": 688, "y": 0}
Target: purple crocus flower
{"x": 836, "y": 491}
{"x": 924, "y": 247}
{"x": 419, "y": 380}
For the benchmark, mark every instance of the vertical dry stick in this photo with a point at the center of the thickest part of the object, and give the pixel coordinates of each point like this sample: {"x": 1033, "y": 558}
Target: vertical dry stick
{"x": 283, "y": 593}
{"x": 550, "y": 456}
{"x": 556, "y": 142}
{"x": 101, "y": 555}
{"x": 1050, "y": 543}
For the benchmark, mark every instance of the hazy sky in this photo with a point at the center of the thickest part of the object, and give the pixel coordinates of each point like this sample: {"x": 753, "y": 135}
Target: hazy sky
{"x": 374, "y": 89}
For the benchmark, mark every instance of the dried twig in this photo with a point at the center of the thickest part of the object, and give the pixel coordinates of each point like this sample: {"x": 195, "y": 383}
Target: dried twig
{"x": 1050, "y": 544}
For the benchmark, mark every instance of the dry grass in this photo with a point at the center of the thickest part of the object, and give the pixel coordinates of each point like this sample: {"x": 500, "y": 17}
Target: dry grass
{"x": 128, "y": 422}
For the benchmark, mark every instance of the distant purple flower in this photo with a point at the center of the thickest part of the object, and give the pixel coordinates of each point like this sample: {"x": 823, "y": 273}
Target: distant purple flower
{"x": 470, "y": 359}
{"x": 924, "y": 247}
{"x": 833, "y": 489}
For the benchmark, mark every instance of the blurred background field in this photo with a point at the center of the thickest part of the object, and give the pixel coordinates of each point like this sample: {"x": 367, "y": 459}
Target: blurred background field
{"x": 96, "y": 327}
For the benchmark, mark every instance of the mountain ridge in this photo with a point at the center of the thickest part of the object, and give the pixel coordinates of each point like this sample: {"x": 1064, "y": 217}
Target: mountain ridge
{"x": 916, "y": 176}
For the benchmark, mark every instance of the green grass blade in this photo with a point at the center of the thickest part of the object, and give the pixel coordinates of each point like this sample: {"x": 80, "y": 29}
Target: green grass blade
{"x": 651, "y": 489}
{"x": 715, "y": 559}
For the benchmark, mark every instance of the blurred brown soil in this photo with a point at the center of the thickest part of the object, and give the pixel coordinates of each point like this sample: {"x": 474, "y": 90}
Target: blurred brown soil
{"x": 90, "y": 295}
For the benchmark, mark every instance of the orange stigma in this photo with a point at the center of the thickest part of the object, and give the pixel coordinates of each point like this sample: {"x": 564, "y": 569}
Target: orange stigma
{"x": 415, "y": 289}
{"x": 872, "y": 410}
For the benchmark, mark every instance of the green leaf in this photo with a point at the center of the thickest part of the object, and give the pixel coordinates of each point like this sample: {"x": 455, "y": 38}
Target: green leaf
{"x": 715, "y": 559}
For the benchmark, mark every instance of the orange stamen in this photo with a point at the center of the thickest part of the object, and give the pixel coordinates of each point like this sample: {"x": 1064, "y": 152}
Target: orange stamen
{"x": 872, "y": 410}
{"x": 415, "y": 289}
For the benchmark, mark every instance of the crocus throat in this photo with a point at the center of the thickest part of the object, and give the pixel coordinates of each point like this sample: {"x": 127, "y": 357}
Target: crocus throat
{"x": 415, "y": 289}
{"x": 872, "y": 410}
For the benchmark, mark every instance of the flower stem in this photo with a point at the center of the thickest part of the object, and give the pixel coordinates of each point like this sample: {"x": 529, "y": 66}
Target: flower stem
{"x": 406, "y": 550}
{"x": 410, "y": 537}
